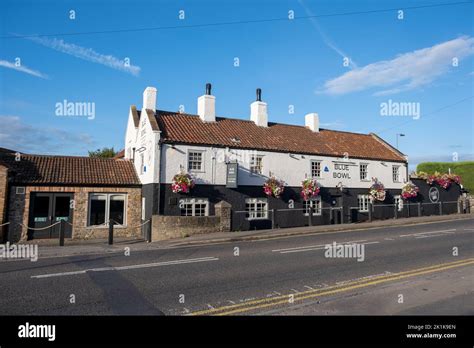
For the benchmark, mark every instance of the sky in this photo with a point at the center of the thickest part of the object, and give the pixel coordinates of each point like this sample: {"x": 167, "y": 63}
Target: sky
{"x": 353, "y": 62}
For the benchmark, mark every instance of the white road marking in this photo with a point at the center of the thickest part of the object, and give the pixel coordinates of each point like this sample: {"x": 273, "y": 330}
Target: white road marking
{"x": 121, "y": 268}
{"x": 469, "y": 229}
{"x": 433, "y": 235}
{"x": 389, "y": 239}
{"x": 422, "y": 233}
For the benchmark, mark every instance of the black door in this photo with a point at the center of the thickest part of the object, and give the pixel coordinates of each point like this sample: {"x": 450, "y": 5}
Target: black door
{"x": 46, "y": 210}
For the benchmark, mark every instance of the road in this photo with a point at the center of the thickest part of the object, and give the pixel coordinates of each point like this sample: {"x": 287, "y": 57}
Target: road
{"x": 417, "y": 269}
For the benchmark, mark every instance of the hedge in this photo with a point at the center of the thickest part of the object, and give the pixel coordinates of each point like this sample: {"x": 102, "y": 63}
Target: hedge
{"x": 463, "y": 169}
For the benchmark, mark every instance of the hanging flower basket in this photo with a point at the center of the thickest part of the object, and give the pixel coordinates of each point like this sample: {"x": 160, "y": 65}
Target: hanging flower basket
{"x": 443, "y": 180}
{"x": 182, "y": 182}
{"x": 309, "y": 189}
{"x": 274, "y": 187}
{"x": 377, "y": 190}
{"x": 409, "y": 190}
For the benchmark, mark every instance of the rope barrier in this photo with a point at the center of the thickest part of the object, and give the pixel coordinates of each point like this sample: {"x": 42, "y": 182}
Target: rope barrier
{"x": 6, "y": 223}
{"x": 118, "y": 224}
{"x": 40, "y": 228}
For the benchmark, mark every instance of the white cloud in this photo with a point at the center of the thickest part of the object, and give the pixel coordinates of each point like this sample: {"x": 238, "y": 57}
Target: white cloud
{"x": 22, "y": 68}
{"x": 407, "y": 71}
{"x": 19, "y": 136}
{"x": 87, "y": 54}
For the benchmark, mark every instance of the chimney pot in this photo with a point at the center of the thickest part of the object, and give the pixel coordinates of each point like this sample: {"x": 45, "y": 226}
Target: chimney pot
{"x": 208, "y": 88}
{"x": 259, "y": 94}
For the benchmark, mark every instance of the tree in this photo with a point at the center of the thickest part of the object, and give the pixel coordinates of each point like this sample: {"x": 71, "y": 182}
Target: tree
{"x": 106, "y": 152}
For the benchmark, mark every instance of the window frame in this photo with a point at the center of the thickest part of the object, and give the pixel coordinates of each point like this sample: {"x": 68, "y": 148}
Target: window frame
{"x": 313, "y": 161}
{"x": 365, "y": 199}
{"x": 398, "y": 177}
{"x": 316, "y": 212}
{"x": 252, "y": 214}
{"x": 366, "y": 171}
{"x": 193, "y": 202}
{"x": 255, "y": 158}
{"x": 192, "y": 151}
{"x": 108, "y": 195}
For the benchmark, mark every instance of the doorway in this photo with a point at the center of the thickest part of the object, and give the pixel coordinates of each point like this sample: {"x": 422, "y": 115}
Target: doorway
{"x": 46, "y": 209}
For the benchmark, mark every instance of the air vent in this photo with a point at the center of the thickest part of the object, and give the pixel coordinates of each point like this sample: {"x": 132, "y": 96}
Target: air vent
{"x": 20, "y": 190}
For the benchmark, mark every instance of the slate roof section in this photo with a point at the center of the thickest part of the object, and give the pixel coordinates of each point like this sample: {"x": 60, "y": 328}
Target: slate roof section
{"x": 245, "y": 134}
{"x": 69, "y": 170}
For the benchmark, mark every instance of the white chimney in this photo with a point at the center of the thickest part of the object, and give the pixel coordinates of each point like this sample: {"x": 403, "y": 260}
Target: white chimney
{"x": 207, "y": 106}
{"x": 149, "y": 98}
{"x": 258, "y": 111}
{"x": 312, "y": 121}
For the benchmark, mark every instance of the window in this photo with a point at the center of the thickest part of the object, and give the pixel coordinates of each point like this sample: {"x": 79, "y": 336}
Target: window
{"x": 194, "y": 207}
{"x": 315, "y": 204}
{"x": 396, "y": 173}
{"x": 398, "y": 202}
{"x": 315, "y": 169}
{"x": 103, "y": 207}
{"x": 256, "y": 164}
{"x": 257, "y": 208}
{"x": 363, "y": 201}
{"x": 195, "y": 161}
{"x": 363, "y": 171}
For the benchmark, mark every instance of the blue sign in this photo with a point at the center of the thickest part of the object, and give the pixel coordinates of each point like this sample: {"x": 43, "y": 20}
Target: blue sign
{"x": 326, "y": 169}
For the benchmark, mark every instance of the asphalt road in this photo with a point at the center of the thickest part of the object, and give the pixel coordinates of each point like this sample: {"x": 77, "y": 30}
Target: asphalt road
{"x": 406, "y": 270}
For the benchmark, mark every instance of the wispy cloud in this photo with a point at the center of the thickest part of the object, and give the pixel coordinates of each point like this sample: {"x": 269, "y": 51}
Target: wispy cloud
{"x": 87, "y": 54}
{"x": 22, "y": 68}
{"x": 407, "y": 71}
{"x": 325, "y": 37}
{"x": 19, "y": 136}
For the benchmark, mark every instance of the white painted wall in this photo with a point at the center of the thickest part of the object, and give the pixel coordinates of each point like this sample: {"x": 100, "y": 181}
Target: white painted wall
{"x": 291, "y": 169}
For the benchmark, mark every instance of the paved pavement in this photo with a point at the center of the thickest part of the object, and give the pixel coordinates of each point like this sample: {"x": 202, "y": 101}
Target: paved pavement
{"x": 284, "y": 275}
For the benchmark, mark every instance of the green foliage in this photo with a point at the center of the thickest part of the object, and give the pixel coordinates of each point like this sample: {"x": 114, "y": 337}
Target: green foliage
{"x": 464, "y": 169}
{"x": 106, "y": 152}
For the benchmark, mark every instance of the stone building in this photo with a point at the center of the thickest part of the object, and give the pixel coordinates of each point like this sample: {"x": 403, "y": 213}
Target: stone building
{"x": 38, "y": 191}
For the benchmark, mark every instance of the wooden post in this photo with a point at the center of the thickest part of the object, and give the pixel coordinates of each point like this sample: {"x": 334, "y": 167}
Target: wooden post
{"x": 419, "y": 209}
{"x": 111, "y": 232}
{"x": 370, "y": 211}
{"x": 61, "y": 233}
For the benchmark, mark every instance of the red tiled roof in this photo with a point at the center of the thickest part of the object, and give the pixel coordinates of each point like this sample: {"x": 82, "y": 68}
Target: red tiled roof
{"x": 236, "y": 133}
{"x": 69, "y": 170}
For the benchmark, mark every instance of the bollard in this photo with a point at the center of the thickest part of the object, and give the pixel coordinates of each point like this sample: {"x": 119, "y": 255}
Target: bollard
{"x": 148, "y": 232}
{"x": 61, "y": 232}
{"x": 111, "y": 232}
{"x": 419, "y": 209}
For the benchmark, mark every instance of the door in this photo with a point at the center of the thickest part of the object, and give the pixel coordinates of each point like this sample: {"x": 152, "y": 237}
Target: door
{"x": 47, "y": 209}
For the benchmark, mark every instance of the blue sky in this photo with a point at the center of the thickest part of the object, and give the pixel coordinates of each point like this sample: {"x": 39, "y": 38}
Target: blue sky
{"x": 295, "y": 62}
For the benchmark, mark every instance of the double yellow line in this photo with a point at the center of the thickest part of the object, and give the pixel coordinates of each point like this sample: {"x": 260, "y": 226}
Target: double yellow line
{"x": 285, "y": 299}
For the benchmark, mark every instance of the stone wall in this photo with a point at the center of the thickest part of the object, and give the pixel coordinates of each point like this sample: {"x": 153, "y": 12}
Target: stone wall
{"x": 20, "y": 205}
{"x": 3, "y": 199}
{"x": 170, "y": 227}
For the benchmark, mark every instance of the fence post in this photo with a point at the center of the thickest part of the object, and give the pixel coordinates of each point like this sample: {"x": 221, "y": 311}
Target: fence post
{"x": 148, "y": 231}
{"x": 111, "y": 232}
{"x": 342, "y": 215}
{"x": 419, "y": 209}
{"x": 273, "y": 218}
{"x": 310, "y": 213}
{"x": 61, "y": 233}
{"x": 395, "y": 208}
{"x": 370, "y": 211}
{"x": 440, "y": 208}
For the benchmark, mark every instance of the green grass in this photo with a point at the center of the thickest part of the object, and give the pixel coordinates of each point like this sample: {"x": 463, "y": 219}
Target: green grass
{"x": 463, "y": 169}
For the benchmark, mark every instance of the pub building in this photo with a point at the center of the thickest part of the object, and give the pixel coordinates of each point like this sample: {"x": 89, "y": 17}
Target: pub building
{"x": 230, "y": 160}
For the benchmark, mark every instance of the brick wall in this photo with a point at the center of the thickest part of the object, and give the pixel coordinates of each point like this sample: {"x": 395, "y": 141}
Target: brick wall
{"x": 3, "y": 198}
{"x": 20, "y": 204}
{"x": 170, "y": 227}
